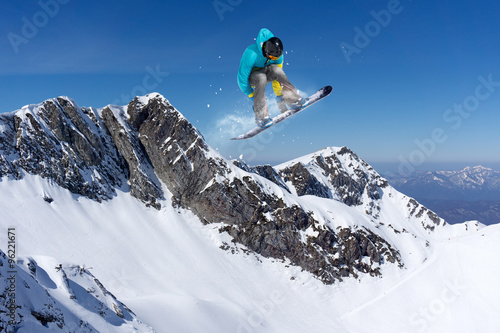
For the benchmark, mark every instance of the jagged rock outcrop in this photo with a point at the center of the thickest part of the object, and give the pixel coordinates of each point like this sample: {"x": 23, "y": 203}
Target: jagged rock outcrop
{"x": 59, "y": 141}
{"x": 344, "y": 176}
{"x": 304, "y": 182}
{"x": 265, "y": 171}
{"x": 90, "y": 152}
{"x": 254, "y": 216}
{"x": 142, "y": 179}
{"x": 176, "y": 149}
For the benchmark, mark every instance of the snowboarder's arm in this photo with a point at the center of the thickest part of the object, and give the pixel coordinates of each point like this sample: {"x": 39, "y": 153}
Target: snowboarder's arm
{"x": 246, "y": 65}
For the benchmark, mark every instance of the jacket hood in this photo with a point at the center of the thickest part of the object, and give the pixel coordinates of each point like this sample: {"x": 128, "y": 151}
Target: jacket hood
{"x": 253, "y": 58}
{"x": 264, "y": 35}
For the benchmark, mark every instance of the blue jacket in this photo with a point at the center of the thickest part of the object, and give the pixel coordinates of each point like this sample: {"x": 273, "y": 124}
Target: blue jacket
{"x": 253, "y": 59}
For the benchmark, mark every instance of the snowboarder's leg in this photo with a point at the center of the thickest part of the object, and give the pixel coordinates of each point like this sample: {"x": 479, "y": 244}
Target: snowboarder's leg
{"x": 276, "y": 73}
{"x": 258, "y": 79}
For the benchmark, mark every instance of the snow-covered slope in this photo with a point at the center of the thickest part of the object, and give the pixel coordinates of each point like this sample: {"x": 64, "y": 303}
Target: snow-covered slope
{"x": 50, "y": 296}
{"x": 319, "y": 243}
{"x": 169, "y": 269}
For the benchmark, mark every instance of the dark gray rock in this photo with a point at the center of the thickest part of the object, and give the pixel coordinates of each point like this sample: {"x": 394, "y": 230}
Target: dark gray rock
{"x": 58, "y": 141}
{"x": 78, "y": 150}
{"x": 265, "y": 171}
{"x": 304, "y": 182}
{"x": 348, "y": 180}
{"x": 142, "y": 180}
{"x": 204, "y": 183}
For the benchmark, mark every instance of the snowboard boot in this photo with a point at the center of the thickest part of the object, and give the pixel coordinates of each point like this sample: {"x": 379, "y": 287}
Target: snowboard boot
{"x": 281, "y": 104}
{"x": 301, "y": 103}
{"x": 264, "y": 123}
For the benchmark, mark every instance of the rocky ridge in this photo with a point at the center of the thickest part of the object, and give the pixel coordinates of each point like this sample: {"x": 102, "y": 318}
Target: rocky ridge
{"x": 139, "y": 147}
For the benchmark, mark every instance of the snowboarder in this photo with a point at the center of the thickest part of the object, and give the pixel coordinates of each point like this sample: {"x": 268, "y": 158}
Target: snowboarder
{"x": 261, "y": 63}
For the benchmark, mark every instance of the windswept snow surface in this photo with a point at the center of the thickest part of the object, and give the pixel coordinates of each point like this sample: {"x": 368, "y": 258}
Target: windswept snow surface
{"x": 169, "y": 269}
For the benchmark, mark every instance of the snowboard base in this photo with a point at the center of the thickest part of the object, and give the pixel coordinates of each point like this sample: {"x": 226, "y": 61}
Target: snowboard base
{"x": 320, "y": 94}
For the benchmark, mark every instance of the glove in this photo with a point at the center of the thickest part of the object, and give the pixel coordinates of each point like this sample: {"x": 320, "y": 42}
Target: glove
{"x": 252, "y": 95}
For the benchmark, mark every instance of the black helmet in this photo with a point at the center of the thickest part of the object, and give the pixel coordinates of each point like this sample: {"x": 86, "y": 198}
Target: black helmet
{"x": 273, "y": 47}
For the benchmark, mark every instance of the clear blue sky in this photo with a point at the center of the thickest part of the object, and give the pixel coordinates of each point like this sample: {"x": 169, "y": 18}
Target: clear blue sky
{"x": 416, "y": 83}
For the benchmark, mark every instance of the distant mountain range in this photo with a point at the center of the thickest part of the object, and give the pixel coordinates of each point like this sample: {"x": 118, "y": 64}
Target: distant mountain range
{"x": 472, "y": 193}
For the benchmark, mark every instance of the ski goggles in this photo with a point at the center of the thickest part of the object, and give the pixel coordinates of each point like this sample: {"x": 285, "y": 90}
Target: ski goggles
{"x": 273, "y": 57}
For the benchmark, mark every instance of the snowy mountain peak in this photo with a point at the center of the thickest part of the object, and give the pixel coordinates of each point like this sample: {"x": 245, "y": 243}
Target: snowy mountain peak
{"x": 61, "y": 141}
{"x": 86, "y": 150}
{"x": 144, "y": 100}
{"x": 477, "y": 168}
{"x": 339, "y": 173}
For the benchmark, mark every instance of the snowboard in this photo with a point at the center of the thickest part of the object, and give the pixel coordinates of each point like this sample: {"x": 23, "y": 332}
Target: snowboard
{"x": 319, "y": 95}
